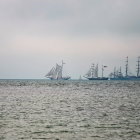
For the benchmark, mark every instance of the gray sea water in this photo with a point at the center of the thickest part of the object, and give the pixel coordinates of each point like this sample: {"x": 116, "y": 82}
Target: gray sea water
{"x": 69, "y": 110}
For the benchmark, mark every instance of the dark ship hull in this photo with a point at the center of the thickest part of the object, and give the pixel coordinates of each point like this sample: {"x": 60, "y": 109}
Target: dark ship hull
{"x": 126, "y": 78}
{"x": 63, "y": 78}
{"x": 98, "y": 78}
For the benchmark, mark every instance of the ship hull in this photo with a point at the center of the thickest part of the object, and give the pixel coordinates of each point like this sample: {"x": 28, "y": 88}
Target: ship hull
{"x": 126, "y": 78}
{"x": 98, "y": 78}
{"x": 63, "y": 78}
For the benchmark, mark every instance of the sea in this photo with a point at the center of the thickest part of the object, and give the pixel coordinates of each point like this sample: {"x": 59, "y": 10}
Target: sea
{"x": 69, "y": 110}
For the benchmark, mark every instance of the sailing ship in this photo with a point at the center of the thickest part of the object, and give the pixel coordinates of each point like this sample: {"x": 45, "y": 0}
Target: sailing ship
{"x": 92, "y": 74}
{"x": 56, "y": 73}
{"x": 118, "y": 75}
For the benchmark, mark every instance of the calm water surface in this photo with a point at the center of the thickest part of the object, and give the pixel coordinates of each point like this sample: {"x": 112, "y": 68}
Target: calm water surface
{"x": 69, "y": 110}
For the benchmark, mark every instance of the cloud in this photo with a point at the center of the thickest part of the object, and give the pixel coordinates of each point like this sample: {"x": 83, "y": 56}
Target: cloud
{"x": 78, "y": 31}
{"x": 75, "y": 16}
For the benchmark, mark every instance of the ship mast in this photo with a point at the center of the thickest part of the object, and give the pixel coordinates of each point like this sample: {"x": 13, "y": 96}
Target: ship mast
{"x": 102, "y": 71}
{"x": 126, "y": 67}
{"x": 120, "y": 72}
{"x": 114, "y": 72}
{"x": 138, "y": 67}
{"x": 62, "y": 68}
{"x": 96, "y": 71}
{"x": 92, "y": 70}
{"x": 103, "y": 66}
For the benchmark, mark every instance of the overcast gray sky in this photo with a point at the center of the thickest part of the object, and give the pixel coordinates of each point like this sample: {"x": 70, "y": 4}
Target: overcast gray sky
{"x": 37, "y": 34}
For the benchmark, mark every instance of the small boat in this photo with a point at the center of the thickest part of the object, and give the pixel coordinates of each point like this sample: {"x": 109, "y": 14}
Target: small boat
{"x": 56, "y": 73}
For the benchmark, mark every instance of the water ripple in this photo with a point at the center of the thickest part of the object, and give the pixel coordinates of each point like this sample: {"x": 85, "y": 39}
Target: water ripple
{"x": 70, "y": 110}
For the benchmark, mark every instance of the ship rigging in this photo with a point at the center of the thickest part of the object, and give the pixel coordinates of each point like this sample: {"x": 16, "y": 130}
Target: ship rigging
{"x": 56, "y": 73}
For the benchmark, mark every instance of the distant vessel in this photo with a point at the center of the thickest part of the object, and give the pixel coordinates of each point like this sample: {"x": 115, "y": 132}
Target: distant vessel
{"x": 92, "y": 74}
{"x": 80, "y": 78}
{"x": 56, "y": 73}
{"x": 118, "y": 75}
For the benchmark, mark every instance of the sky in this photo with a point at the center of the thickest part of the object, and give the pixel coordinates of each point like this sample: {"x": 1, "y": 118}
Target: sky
{"x": 37, "y": 34}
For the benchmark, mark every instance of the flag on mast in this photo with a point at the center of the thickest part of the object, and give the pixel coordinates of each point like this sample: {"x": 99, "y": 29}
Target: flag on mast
{"x": 105, "y": 66}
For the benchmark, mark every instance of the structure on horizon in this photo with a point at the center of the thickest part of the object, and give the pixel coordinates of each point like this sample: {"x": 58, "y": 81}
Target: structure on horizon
{"x": 56, "y": 73}
{"x": 118, "y": 75}
{"x": 92, "y": 74}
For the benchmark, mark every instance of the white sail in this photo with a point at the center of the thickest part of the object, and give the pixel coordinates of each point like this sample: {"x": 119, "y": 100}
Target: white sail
{"x": 88, "y": 74}
{"x": 96, "y": 71}
{"x": 91, "y": 72}
{"x": 56, "y": 73}
{"x": 116, "y": 74}
{"x": 50, "y": 73}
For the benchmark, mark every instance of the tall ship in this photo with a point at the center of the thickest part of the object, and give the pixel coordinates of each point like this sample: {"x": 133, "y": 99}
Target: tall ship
{"x": 56, "y": 73}
{"x": 92, "y": 74}
{"x": 118, "y": 75}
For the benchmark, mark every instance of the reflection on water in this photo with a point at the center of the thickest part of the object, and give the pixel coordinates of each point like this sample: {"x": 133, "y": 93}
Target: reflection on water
{"x": 69, "y": 110}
